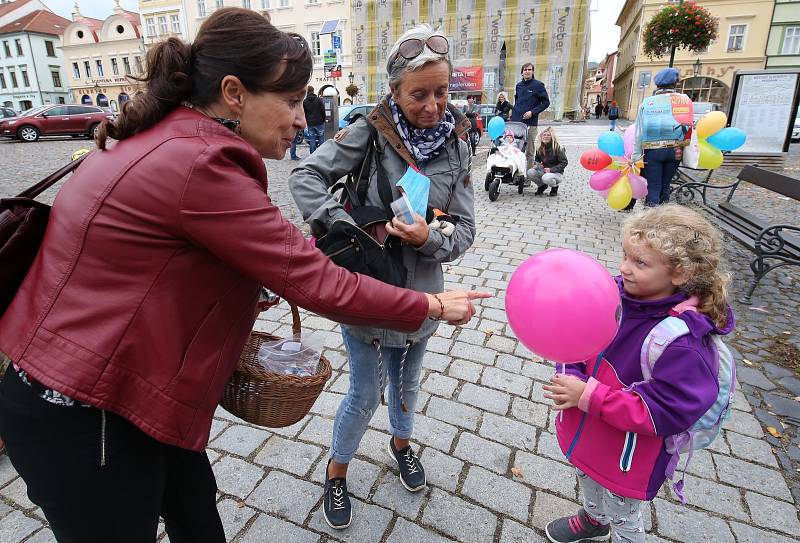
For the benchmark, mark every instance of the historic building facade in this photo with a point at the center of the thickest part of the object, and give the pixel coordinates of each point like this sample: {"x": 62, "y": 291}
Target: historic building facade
{"x": 744, "y": 26}
{"x": 99, "y": 55}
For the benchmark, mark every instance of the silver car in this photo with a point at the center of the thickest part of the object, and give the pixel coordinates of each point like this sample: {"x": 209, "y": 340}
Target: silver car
{"x": 796, "y": 130}
{"x": 701, "y": 108}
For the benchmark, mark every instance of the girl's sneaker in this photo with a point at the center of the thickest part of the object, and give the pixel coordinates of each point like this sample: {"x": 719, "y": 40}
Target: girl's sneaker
{"x": 576, "y": 528}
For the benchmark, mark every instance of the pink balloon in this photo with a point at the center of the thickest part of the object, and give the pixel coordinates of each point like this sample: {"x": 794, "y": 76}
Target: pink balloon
{"x": 563, "y": 305}
{"x": 628, "y": 138}
{"x": 638, "y": 185}
{"x": 603, "y": 179}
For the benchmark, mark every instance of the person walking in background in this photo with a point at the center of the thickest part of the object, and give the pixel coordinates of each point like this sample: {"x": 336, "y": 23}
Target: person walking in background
{"x": 293, "y": 148}
{"x": 598, "y": 110}
{"x": 503, "y": 107}
{"x": 605, "y": 109}
{"x": 530, "y": 99}
{"x": 315, "y": 119}
{"x": 471, "y": 110}
{"x": 613, "y": 115}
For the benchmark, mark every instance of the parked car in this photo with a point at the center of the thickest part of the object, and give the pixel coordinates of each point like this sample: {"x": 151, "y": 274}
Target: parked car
{"x": 6, "y": 112}
{"x": 348, "y": 114}
{"x": 53, "y": 120}
{"x": 701, "y": 108}
{"x": 486, "y": 113}
{"x": 796, "y": 130}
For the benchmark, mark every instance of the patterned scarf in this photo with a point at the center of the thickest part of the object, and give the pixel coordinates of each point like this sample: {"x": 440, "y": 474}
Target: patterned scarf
{"x": 423, "y": 143}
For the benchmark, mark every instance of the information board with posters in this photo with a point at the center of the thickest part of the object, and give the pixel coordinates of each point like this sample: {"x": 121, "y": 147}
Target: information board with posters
{"x": 763, "y": 104}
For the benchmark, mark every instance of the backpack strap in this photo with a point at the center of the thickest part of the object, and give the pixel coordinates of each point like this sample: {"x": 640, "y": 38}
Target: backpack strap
{"x": 658, "y": 339}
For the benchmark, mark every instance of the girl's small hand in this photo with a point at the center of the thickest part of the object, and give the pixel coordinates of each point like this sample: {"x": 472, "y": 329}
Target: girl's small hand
{"x": 565, "y": 391}
{"x": 414, "y": 234}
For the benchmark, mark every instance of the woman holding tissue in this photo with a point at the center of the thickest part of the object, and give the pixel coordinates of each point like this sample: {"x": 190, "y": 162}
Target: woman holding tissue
{"x": 415, "y": 139}
{"x": 118, "y": 344}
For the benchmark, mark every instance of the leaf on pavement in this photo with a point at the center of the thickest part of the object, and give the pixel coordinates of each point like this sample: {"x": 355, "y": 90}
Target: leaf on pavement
{"x": 516, "y": 472}
{"x": 773, "y": 431}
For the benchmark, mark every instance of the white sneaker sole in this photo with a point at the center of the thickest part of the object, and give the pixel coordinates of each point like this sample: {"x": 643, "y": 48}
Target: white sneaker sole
{"x": 402, "y": 482}
{"x": 598, "y": 538}
{"x": 328, "y": 522}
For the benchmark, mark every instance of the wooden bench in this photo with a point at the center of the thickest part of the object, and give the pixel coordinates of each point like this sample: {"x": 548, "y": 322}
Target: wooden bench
{"x": 773, "y": 244}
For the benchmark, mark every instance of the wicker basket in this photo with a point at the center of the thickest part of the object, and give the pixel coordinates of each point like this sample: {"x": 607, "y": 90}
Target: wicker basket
{"x": 271, "y": 399}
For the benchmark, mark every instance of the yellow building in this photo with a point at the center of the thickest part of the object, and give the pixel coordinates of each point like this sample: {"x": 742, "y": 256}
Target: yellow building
{"x": 98, "y": 55}
{"x": 744, "y": 27}
{"x": 490, "y": 40}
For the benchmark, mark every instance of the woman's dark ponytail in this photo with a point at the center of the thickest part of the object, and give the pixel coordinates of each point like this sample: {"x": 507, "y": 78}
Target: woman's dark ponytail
{"x": 169, "y": 82}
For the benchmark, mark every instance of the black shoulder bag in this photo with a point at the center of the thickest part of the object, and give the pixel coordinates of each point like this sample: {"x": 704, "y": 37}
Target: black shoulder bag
{"x": 23, "y": 222}
{"x": 356, "y": 247}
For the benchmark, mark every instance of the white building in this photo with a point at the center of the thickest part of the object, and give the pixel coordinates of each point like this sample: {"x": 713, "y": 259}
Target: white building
{"x": 31, "y": 63}
{"x": 99, "y": 55}
{"x": 162, "y": 19}
{"x": 305, "y": 17}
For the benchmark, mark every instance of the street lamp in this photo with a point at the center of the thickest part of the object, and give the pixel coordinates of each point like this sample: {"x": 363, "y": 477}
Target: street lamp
{"x": 351, "y": 77}
{"x": 696, "y": 67}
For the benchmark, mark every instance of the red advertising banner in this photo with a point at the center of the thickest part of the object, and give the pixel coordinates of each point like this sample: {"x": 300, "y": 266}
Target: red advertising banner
{"x": 467, "y": 79}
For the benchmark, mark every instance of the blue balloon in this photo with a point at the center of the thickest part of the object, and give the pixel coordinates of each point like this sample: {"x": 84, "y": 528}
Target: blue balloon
{"x": 728, "y": 139}
{"x": 611, "y": 143}
{"x": 496, "y": 127}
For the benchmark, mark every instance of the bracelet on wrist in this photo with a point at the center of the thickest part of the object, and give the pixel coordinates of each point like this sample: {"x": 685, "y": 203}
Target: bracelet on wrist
{"x": 441, "y": 307}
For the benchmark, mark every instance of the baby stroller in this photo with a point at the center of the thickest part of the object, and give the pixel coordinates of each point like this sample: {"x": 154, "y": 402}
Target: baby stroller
{"x": 505, "y": 164}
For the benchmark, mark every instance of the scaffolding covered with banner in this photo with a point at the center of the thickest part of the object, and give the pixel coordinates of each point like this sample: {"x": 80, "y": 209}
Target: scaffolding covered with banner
{"x": 490, "y": 40}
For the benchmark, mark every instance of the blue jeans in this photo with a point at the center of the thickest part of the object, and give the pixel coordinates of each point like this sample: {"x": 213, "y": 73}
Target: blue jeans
{"x": 612, "y": 124}
{"x": 659, "y": 169}
{"x": 293, "y": 150}
{"x": 364, "y": 396}
{"x": 316, "y": 137}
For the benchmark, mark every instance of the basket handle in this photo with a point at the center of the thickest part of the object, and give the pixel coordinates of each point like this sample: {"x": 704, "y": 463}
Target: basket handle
{"x": 295, "y": 319}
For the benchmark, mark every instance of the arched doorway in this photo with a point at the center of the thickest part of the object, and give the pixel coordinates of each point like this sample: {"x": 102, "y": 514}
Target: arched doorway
{"x": 102, "y": 100}
{"x": 114, "y": 106}
{"x": 123, "y": 97}
{"x": 86, "y": 100}
{"x": 326, "y": 87}
{"x": 705, "y": 89}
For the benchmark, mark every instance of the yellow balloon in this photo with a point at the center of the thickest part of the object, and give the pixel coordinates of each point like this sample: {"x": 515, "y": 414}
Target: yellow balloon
{"x": 710, "y": 124}
{"x": 79, "y": 153}
{"x": 620, "y": 194}
{"x": 710, "y": 157}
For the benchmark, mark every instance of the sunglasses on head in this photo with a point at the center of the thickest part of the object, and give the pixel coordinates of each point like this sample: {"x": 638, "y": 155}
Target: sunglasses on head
{"x": 413, "y": 47}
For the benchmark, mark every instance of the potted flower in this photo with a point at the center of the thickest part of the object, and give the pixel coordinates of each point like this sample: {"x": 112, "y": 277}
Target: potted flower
{"x": 679, "y": 26}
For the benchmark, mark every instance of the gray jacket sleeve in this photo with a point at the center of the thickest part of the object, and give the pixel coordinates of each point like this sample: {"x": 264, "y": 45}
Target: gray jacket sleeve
{"x": 443, "y": 248}
{"x": 309, "y": 182}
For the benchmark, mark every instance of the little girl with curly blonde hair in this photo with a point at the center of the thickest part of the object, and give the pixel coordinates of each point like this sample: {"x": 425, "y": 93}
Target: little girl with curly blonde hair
{"x": 614, "y": 421}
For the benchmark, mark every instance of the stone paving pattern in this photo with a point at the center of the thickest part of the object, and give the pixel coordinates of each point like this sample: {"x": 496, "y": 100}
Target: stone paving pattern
{"x": 481, "y": 412}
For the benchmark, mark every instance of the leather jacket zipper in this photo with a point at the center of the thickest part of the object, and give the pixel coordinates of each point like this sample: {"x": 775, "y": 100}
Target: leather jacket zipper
{"x": 102, "y": 438}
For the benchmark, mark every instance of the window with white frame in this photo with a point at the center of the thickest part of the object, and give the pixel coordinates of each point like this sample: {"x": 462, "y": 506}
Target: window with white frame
{"x": 88, "y": 69}
{"x": 137, "y": 63}
{"x": 2, "y": 81}
{"x": 126, "y": 64}
{"x": 312, "y": 1}
{"x": 13, "y": 75}
{"x": 736, "y": 37}
{"x": 264, "y": 4}
{"x": 219, "y": 3}
{"x": 246, "y": 4}
{"x": 7, "y": 48}
{"x": 56, "y": 78}
{"x": 151, "y": 27}
{"x": 283, "y": 3}
{"x": 25, "y": 81}
{"x": 76, "y": 70}
{"x": 791, "y": 41}
{"x": 162, "y": 25}
{"x": 313, "y": 42}
{"x": 201, "y": 8}
{"x": 114, "y": 66}
{"x": 100, "y": 72}
{"x": 18, "y": 43}
{"x": 176, "y": 24}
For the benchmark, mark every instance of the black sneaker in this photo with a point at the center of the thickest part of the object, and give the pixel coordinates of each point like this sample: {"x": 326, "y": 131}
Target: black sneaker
{"x": 541, "y": 190}
{"x": 553, "y": 191}
{"x": 412, "y": 474}
{"x": 576, "y": 528}
{"x": 336, "y": 503}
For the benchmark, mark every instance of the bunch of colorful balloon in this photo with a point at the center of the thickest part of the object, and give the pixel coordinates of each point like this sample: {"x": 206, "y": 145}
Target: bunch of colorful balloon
{"x": 711, "y": 138}
{"x": 616, "y": 175}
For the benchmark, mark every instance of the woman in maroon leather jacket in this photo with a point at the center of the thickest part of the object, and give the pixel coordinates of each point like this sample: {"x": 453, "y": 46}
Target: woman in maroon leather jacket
{"x": 118, "y": 344}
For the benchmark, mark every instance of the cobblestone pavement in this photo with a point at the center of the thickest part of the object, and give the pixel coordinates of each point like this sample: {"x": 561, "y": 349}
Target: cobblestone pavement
{"x": 481, "y": 412}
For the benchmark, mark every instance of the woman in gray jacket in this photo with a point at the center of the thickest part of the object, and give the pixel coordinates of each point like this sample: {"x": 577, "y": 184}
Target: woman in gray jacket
{"x": 415, "y": 128}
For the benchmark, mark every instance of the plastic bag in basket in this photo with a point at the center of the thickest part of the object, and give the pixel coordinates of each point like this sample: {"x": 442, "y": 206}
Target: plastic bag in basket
{"x": 298, "y": 355}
